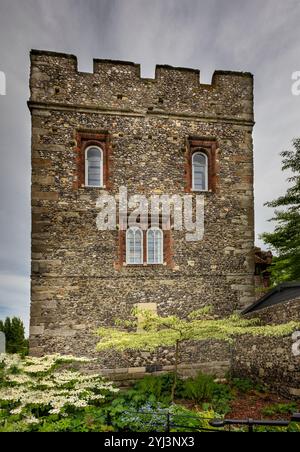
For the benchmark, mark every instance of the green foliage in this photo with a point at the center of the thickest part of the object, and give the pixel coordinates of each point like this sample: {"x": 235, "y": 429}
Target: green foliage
{"x": 153, "y": 416}
{"x": 285, "y": 240}
{"x": 15, "y": 336}
{"x": 167, "y": 331}
{"x": 245, "y": 385}
{"x": 153, "y": 390}
{"x": 222, "y": 396}
{"x": 144, "y": 408}
{"x": 89, "y": 419}
{"x": 204, "y": 390}
{"x": 199, "y": 389}
{"x": 152, "y": 386}
{"x": 175, "y": 417}
{"x": 148, "y": 331}
{"x": 292, "y": 428}
{"x": 159, "y": 387}
{"x": 280, "y": 408}
{"x": 32, "y": 390}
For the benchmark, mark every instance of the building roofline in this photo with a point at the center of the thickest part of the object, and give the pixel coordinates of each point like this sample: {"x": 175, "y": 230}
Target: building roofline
{"x": 158, "y": 67}
{"x": 52, "y": 54}
{"x": 276, "y": 289}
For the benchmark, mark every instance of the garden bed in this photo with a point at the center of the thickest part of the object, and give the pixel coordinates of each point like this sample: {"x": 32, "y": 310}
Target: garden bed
{"x": 256, "y": 405}
{"x": 36, "y": 395}
{"x": 253, "y": 405}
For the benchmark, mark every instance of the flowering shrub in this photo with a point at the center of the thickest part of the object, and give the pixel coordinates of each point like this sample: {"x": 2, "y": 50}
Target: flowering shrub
{"x": 32, "y": 388}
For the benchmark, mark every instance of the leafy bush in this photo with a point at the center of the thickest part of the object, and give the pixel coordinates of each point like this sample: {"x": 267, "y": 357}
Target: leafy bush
{"x": 159, "y": 387}
{"x": 292, "y": 428}
{"x": 90, "y": 419}
{"x": 199, "y": 389}
{"x": 14, "y": 331}
{"x": 280, "y": 408}
{"x": 37, "y": 396}
{"x": 222, "y": 396}
{"x": 152, "y": 390}
{"x": 204, "y": 390}
{"x": 245, "y": 385}
{"x": 159, "y": 418}
{"x": 33, "y": 389}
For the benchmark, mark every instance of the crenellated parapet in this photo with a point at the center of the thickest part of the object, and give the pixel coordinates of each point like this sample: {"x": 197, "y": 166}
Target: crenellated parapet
{"x": 118, "y": 85}
{"x": 145, "y": 135}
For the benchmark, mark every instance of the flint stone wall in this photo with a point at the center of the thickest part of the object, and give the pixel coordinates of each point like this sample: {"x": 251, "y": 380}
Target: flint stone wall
{"x": 76, "y": 283}
{"x": 271, "y": 360}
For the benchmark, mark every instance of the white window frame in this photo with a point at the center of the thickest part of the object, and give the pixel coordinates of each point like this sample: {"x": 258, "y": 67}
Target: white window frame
{"x": 162, "y": 246}
{"x": 206, "y": 171}
{"x": 134, "y": 229}
{"x": 87, "y": 167}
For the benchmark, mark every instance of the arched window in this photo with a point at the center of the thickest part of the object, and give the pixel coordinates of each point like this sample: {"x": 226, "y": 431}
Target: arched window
{"x": 94, "y": 167}
{"x": 154, "y": 246}
{"x": 134, "y": 246}
{"x": 200, "y": 171}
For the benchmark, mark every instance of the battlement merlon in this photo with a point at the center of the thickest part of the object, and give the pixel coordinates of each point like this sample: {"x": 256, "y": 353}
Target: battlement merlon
{"x": 118, "y": 85}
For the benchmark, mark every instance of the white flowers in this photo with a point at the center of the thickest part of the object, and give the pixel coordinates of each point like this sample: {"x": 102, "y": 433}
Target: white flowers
{"x": 36, "y": 383}
{"x": 31, "y": 420}
{"x": 32, "y": 365}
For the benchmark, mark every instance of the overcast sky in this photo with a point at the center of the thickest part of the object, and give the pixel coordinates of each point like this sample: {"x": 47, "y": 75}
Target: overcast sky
{"x": 262, "y": 37}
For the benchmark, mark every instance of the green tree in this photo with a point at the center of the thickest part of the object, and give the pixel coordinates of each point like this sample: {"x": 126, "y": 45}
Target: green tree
{"x": 149, "y": 331}
{"x": 15, "y": 335}
{"x": 285, "y": 240}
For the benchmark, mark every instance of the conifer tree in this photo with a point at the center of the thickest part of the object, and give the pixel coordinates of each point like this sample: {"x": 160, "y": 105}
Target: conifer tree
{"x": 285, "y": 240}
{"x": 15, "y": 335}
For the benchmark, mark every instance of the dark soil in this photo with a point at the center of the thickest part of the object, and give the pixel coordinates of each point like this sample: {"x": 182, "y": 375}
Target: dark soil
{"x": 249, "y": 405}
{"x": 252, "y": 404}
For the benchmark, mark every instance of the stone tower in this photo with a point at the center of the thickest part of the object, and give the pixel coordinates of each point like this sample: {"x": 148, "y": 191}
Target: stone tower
{"x": 144, "y": 135}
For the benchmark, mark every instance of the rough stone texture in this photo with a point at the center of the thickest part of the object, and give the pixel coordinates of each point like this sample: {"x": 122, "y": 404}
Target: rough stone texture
{"x": 271, "y": 359}
{"x": 77, "y": 283}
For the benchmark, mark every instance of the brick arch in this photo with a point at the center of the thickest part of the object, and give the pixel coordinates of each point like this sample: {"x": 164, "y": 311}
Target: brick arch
{"x": 83, "y": 141}
{"x": 207, "y": 147}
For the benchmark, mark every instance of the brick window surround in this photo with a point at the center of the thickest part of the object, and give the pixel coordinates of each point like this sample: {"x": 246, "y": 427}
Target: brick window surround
{"x": 167, "y": 251}
{"x": 207, "y": 146}
{"x": 85, "y": 139}
{"x": 167, "y": 256}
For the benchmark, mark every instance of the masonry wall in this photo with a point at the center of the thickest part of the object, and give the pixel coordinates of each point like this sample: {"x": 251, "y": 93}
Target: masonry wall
{"x": 77, "y": 280}
{"x": 271, "y": 360}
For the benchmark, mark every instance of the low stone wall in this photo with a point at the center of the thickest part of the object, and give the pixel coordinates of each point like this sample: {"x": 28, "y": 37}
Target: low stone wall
{"x": 127, "y": 376}
{"x": 271, "y": 360}
{"x": 209, "y": 357}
